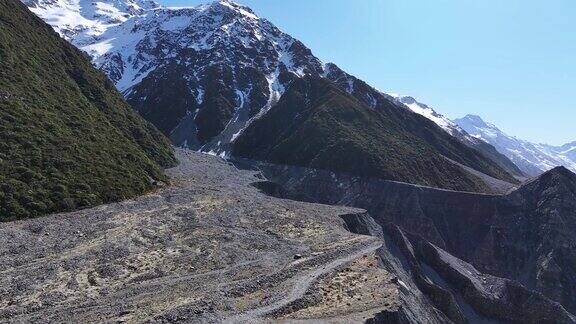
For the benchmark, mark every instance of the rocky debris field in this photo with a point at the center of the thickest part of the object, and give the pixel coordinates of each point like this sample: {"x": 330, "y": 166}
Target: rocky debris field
{"x": 208, "y": 248}
{"x": 465, "y": 257}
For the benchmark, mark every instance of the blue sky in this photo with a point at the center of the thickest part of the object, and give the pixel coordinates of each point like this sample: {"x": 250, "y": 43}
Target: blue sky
{"x": 512, "y": 62}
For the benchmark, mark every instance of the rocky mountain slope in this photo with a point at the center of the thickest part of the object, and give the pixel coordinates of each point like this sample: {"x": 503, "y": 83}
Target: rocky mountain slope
{"x": 318, "y": 125}
{"x": 203, "y": 74}
{"x": 82, "y": 21}
{"x": 533, "y": 159}
{"x": 459, "y": 133}
{"x": 527, "y": 236}
{"x": 200, "y": 73}
{"x": 455, "y": 288}
{"x": 67, "y": 138}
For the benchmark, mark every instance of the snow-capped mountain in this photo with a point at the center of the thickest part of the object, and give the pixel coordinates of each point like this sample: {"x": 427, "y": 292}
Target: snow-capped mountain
{"x": 82, "y": 21}
{"x": 532, "y": 158}
{"x": 458, "y": 132}
{"x": 567, "y": 151}
{"x": 200, "y": 74}
{"x": 203, "y": 74}
{"x": 428, "y": 112}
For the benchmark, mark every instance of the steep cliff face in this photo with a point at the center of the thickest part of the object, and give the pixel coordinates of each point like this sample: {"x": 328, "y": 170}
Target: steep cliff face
{"x": 527, "y": 236}
{"x": 433, "y": 280}
{"x": 536, "y": 243}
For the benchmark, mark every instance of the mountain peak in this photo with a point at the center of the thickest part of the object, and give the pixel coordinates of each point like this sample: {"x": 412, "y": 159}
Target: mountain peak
{"x": 81, "y": 21}
{"x": 533, "y": 159}
{"x": 558, "y": 180}
{"x": 230, "y": 3}
{"x": 231, "y": 6}
{"x": 408, "y": 100}
{"x": 428, "y": 112}
{"x": 471, "y": 122}
{"x": 560, "y": 171}
{"x": 475, "y": 119}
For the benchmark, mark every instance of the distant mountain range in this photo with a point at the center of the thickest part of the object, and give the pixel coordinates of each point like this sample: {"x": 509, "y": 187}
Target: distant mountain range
{"x": 203, "y": 75}
{"x": 529, "y": 159}
{"x": 533, "y": 159}
{"x": 455, "y": 130}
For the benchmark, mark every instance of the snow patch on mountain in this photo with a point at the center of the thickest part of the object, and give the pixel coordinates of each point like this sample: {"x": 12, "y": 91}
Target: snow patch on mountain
{"x": 82, "y": 21}
{"x": 427, "y": 112}
{"x": 130, "y": 39}
{"x": 126, "y": 51}
{"x": 533, "y": 159}
{"x": 205, "y": 57}
{"x": 240, "y": 9}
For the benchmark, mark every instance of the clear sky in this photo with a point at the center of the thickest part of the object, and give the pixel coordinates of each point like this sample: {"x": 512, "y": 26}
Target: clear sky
{"x": 513, "y": 62}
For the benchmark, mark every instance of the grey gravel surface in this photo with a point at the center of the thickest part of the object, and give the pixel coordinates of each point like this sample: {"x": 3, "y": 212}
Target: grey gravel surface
{"x": 208, "y": 248}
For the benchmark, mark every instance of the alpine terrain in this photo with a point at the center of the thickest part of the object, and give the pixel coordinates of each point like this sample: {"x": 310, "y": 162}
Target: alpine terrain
{"x": 533, "y": 159}
{"x": 461, "y": 134}
{"x": 527, "y": 235}
{"x": 202, "y": 75}
{"x": 297, "y": 193}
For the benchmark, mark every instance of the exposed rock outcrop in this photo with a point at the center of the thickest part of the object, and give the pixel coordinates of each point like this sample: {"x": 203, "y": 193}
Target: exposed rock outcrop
{"x": 454, "y": 287}
{"x": 527, "y": 236}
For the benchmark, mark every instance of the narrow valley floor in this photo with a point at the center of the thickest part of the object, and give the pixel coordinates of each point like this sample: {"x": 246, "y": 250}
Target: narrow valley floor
{"x": 208, "y": 248}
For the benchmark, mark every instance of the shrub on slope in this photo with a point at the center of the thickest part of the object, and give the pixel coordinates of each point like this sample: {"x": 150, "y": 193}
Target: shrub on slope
{"x": 67, "y": 138}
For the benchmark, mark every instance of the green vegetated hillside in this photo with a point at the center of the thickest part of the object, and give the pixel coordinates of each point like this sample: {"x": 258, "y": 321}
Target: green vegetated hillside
{"x": 455, "y": 147}
{"x": 67, "y": 138}
{"x": 317, "y": 125}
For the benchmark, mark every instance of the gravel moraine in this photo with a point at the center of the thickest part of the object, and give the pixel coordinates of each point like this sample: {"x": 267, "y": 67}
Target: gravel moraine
{"x": 208, "y": 248}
